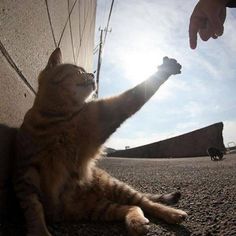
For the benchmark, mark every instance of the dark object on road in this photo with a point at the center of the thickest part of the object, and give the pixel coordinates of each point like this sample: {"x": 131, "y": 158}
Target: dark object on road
{"x": 215, "y": 154}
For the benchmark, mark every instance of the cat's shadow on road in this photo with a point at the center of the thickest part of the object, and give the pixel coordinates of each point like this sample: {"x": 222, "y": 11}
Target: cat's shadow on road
{"x": 178, "y": 229}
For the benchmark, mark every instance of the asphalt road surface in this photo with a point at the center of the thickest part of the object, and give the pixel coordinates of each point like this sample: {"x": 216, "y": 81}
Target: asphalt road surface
{"x": 208, "y": 195}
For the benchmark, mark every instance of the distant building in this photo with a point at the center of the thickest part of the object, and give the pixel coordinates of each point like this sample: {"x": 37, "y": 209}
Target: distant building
{"x": 190, "y": 144}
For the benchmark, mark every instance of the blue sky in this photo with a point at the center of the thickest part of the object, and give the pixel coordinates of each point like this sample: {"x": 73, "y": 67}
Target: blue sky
{"x": 143, "y": 32}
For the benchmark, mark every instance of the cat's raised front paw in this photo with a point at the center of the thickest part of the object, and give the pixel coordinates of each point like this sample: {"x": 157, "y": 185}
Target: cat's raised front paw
{"x": 170, "y": 66}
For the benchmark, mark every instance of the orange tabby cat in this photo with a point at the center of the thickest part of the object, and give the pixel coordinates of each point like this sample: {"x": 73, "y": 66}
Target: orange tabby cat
{"x": 56, "y": 178}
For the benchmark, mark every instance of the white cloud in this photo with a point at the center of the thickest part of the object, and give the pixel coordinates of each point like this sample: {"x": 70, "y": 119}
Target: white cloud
{"x": 172, "y": 87}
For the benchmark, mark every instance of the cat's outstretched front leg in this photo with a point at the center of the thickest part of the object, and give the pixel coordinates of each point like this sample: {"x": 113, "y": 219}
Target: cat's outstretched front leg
{"x": 112, "y": 112}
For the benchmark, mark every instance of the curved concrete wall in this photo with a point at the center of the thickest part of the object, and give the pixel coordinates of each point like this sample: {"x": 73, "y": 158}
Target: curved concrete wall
{"x": 29, "y": 32}
{"x": 187, "y": 145}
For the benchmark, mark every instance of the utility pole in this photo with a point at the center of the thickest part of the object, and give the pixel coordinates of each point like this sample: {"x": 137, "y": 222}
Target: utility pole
{"x": 100, "y": 51}
{"x": 99, "y": 61}
{"x": 101, "y": 45}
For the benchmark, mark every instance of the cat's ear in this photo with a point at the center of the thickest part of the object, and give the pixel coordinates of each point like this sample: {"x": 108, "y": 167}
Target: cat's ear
{"x": 55, "y": 59}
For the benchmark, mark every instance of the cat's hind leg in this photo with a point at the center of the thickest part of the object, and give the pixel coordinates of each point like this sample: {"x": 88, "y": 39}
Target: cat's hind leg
{"x": 94, "y": 208}
{"x": 169, "y": 198}
{"x": 118, "y": 191}
{"x": 127, "y": 195}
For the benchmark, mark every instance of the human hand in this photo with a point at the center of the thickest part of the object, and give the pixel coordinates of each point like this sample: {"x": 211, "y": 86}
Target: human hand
{"x": 207, "y": 19}
{"x": 170, "y": 66}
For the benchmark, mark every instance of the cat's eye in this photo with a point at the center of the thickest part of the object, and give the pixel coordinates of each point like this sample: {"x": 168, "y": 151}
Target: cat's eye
{"x": 81, "y": 72}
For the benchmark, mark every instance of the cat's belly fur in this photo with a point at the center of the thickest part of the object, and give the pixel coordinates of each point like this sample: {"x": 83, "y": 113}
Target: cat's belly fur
{"x": 67, "y": 199}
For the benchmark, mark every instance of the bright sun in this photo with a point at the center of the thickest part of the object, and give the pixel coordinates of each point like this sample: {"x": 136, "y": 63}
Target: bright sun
{"x": 140, "y": 64}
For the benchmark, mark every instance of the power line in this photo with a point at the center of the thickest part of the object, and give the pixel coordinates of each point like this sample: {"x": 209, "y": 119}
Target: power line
{"x": 15, "y": 67}
{"x": 50, "y": 22}
{"x": 72, "y": 8}
{"x": 71, "y": 32}
{"x": 108, "y": 21}
{"x": 81, "y": 32}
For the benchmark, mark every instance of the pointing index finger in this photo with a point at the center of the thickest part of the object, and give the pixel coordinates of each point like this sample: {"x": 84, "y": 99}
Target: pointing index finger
{"x": 193, "y": 30}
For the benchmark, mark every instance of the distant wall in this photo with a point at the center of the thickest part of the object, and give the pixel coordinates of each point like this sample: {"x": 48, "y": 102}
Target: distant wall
{"x": 29, "y": 32}
{"x": 187, "y": 145}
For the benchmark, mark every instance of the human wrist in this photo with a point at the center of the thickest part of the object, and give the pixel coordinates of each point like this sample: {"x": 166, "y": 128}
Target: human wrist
{"x": 231, "y": 3}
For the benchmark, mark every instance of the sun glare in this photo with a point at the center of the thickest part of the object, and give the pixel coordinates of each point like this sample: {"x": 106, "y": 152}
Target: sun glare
{"x": 141, "y": 64}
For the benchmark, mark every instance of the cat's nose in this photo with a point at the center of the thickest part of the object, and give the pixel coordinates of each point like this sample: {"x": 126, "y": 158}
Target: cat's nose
{"x": 91, "y": 75}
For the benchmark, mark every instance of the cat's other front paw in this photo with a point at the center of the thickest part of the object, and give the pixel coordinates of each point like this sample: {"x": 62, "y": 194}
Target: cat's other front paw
{"x": 170, "y": 66}
{"x": 137, "y": 224}
{"x": 138, "y": 227}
